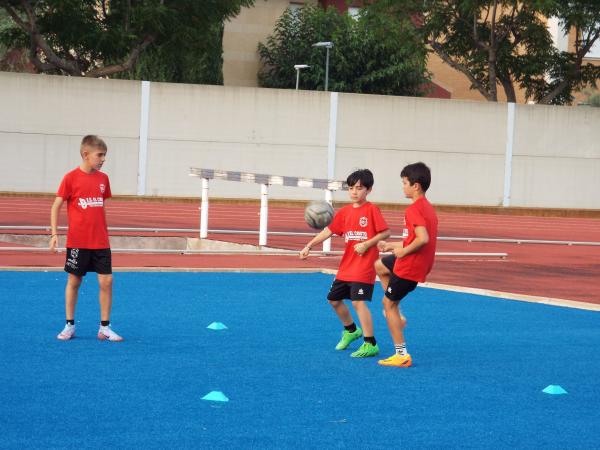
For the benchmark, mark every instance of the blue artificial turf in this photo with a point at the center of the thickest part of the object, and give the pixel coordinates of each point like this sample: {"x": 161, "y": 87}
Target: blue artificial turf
{"x": 480, "y": 365}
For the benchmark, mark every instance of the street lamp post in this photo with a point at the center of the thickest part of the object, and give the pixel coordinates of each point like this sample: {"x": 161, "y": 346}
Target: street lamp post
{"x": 327, "y": 46}
{"x": 298, "y": 68}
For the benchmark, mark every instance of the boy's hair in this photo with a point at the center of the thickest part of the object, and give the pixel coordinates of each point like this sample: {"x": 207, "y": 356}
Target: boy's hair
{"x": 91, "y": 140}
{"x": 417, "y": 173}
{"x": 365, "y": 176}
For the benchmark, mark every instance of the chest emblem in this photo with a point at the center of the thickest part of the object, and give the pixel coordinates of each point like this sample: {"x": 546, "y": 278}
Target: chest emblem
{"x": 102, "y": 188}
{"x": 363, "y": 221}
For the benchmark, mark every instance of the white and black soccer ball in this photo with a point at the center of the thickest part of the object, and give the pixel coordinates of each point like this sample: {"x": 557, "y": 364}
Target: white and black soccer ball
{"x": 318, "y": 214}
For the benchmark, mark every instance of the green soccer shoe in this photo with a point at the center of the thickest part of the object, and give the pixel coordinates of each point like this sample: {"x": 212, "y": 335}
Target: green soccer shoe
{"x": 348, "y": 338}
{"x": 366, "y": 350}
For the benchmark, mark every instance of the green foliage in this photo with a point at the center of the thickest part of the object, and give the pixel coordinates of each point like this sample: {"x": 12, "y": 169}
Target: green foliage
{"x": 362, "y": 60}
{"x": 173, "y": 40}
{"x": 513, "y": 51}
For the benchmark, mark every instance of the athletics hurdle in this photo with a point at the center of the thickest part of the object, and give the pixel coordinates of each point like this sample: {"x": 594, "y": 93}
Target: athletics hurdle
{"x": 265, "y": 181}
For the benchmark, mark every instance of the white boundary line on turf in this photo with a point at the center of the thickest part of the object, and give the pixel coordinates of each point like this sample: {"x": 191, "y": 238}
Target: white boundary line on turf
{"x": 445, "y": 287}
{"x": 517, "y": 297}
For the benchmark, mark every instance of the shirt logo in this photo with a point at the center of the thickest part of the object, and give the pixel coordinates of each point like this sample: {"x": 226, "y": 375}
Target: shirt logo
{"x": 92, "y": 202}
{"x": 355, "y": 236}
{"x": 363, "y": 221}
{"x": 102, "y": 188}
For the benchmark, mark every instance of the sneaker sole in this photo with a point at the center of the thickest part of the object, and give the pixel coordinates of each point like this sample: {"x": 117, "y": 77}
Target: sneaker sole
{"x": 103, "y": 337}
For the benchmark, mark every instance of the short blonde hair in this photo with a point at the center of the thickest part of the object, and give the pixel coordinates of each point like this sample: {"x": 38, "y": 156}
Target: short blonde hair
{"x": 91, "y": 140}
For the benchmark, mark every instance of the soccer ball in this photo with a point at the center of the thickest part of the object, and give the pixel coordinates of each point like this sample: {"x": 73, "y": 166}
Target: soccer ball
{"x": 318, "y": 215}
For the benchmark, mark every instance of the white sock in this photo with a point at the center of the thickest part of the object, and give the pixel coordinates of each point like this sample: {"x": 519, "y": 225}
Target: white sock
{"x": 401, "y": 349}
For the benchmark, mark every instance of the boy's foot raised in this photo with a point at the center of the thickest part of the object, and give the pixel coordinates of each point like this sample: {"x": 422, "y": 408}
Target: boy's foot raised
{"x": 67, "y": 333}
{"x": 366, "y": 350}
{"x": 107, "y": 334}
{"x": 396, "y": 361}
{"x": 348, "y": 338}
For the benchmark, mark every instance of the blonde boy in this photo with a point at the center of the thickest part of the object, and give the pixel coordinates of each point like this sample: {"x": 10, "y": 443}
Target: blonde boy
{"x": 88, "y": 249}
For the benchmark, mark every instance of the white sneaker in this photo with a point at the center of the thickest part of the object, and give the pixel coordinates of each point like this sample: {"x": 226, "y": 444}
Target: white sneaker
{"x": 106, "y": 333}
{"x": 67, "y": 333}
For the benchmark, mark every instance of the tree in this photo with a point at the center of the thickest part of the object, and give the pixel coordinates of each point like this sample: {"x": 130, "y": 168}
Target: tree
{"x": 363, "y": 59}
{"x": 506, "y": 44}
{"x": 107, "y": 37}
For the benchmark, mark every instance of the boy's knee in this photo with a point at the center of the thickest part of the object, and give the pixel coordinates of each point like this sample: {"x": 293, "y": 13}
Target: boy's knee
{"x": 74, "y": 281}
{"x": 380, "y": 268}
{"x": 105, "y": 281}
{"x": 360, "y": 305}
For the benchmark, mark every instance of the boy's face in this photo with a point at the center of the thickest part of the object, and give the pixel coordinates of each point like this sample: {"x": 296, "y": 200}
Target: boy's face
{"x": 358, "y": 193}
{"x": 409, "y": 189}
{"x": 94, "y": 157}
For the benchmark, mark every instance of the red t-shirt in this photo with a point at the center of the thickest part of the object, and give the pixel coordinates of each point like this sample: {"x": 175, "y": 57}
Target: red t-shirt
{"x": 85, "y": 194}
{"x": 358, "y": 225}
{"x": 417, "y": 265}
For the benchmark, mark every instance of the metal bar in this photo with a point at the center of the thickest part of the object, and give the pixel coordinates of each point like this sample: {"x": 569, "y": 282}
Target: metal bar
{"x": 298, "y": 233}
{"x": 234, "y": 252}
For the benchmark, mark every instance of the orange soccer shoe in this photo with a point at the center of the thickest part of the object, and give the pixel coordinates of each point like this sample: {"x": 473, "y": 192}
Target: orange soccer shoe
{"x": 396, "y": 361}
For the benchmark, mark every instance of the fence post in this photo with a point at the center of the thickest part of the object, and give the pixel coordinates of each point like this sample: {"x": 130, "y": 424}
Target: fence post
{"x": 264, "y": 214}
{"x": 328, "y": 199}
{"x": 204, "y": 210}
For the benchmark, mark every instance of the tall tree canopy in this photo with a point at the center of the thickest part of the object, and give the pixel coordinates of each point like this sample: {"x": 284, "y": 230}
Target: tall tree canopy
{"x": 98, "y": 38}
{"x": 388, "y": 59}
{"x": 506, "y": 44}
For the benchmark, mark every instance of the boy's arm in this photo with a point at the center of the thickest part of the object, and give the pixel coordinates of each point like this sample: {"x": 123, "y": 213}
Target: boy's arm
{"x": 362, "y": 247}
{"x": 322, "y": 236}
{"x": 58, "y": 202}
{"x": 421, "y": 238}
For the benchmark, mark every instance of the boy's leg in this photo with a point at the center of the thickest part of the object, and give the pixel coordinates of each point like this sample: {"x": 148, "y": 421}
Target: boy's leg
{"x": 364, "y": 316}
{"x": 105, "y": 282}
{"x": 395, "y": 320}
{"x": 384, "y": 268}
{"x": 71, "y": 292}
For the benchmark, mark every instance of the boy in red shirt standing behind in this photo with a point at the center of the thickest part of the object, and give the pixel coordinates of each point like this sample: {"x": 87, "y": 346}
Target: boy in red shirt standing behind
{"x": 412, "y": 259}
{"x": 363, "y": 226}
{"x": 88, "y": 250}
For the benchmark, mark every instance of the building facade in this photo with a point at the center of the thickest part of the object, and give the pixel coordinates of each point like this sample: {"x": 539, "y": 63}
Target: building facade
{"x": 242, "y": 34}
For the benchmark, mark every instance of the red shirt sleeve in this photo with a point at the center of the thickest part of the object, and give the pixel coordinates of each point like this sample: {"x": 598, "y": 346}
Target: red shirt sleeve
{"x": 378, "y": 221}
{"x": 415, "y": 218}
{"x": 337, "y": 224}
{"x": 64, "y": 190}
{"x": 107, "y": 192}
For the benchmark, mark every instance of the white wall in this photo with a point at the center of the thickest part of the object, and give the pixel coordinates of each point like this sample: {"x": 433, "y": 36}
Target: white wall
{"x": 286, "y": 132}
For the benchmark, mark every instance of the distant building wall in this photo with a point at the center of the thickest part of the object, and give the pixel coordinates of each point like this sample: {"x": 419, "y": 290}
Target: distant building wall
{"x": 555, "y": 151}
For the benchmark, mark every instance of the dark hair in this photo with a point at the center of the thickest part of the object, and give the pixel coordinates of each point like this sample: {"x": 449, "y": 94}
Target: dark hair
{"x": 417, "y": 173}
{"x": 365, "y": 176}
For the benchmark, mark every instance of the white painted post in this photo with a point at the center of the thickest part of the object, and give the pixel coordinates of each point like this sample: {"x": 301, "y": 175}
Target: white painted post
{"x": 204, "y": 210}
{"x": 328, "y": 199}
{"x": 143, "y": 147}
{"x": 510, "y": 137}
{"x": 333, "y": 110}
{"x": 264, "y": 214}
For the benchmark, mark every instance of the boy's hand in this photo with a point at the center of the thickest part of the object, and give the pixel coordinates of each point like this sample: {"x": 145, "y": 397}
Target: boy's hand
{"x": 360, "y": 248}
{"x": 53, "y": 242}
{"x": 304, "y": 252}
{"x": 381, "y": 246}
{"x": 398, "y": 252}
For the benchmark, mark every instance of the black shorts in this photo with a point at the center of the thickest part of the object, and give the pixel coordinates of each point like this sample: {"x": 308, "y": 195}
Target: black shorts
{"x": 341, "y": 290}
{"x": 398, "y": 287}
{"x": 83, "y": 260}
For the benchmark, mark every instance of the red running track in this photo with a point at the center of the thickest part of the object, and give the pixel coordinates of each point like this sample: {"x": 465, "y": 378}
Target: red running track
{"x": 546, "y": 270}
